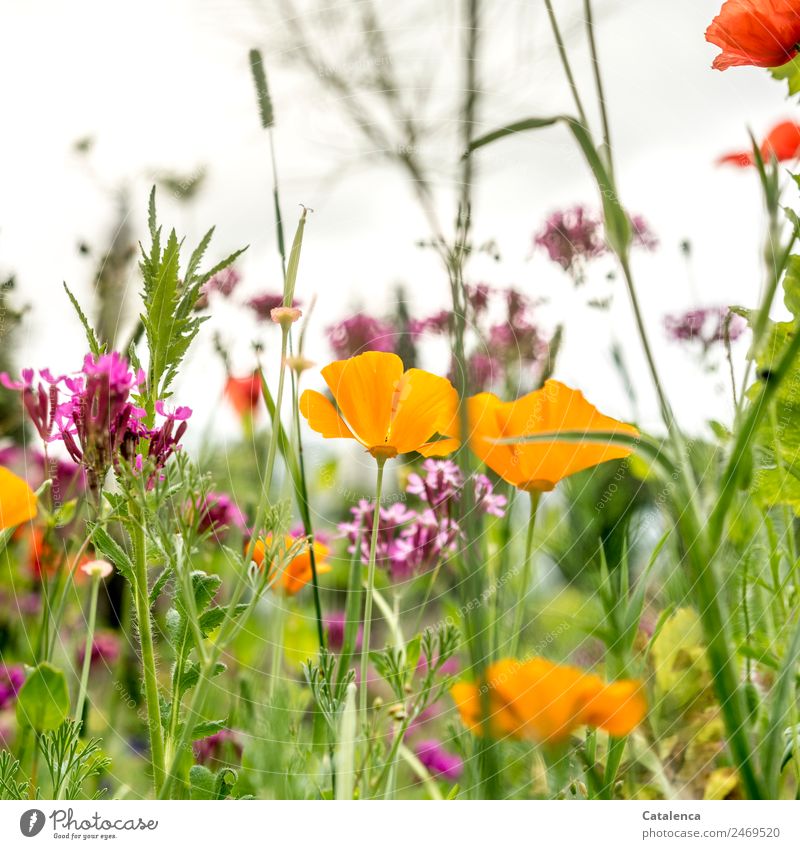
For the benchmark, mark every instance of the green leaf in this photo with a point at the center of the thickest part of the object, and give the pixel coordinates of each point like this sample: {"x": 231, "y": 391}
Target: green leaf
{"x": 789, "y": 72}
{"x": 262, "y": 89}
{"x": 776, "y": 448}
{"x": 94, "y": 346}
{"x": 43, "y": 700}
{"x": 201, "y": 783}
{"x": 111, "y": 550}
{"x": 617, "y": 225}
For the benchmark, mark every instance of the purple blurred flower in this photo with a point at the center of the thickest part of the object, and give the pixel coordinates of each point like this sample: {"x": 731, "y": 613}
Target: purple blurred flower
{"x": 361, "y": 333}
{"x": 211, "y": 748}
{"x": 391, "y": 521}
{"x": 421, "y": 544}
{"x": 224, "y": 282}
{"x": 484, "y": 370}
{"x": 442, "y": 484}
{"x": 442, "y": 481}
{"x": 263, "y": 305}
{"x": 438, "y": 761}
{"x": 217, "y": 513}
{"x": 105, "y": 649}
{"x": 706, "y": 325}
{"x": 571, "y": 237}
{"x": 643, "y": 236}
{"x": 439, "y": 323}
{"x": 11, "y": 679}
{"x": 335, "y": 622}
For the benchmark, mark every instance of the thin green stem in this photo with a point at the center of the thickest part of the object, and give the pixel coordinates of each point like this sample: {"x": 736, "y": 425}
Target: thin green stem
{"x": 598, "y": 81}
{"x": 373, "y": 547}
{"x": 527, "y": 563}
{"x": 87, "y": 654}
{"x": 562, "y": 52}
{"x": 142, "y": 603}
{"x": 277, "y": 648}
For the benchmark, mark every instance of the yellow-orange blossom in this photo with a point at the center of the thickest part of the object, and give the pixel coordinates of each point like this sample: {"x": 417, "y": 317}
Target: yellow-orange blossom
{"x": 388, "y": 410}
{"x": 543, "y": 702}
{"x": 17, "y": 500}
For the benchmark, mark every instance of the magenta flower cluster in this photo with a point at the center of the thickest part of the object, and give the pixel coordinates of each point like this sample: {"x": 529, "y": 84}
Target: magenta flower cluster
{"x": 93, "y": 413}
{"x": 707, "y": 325}
{"x": 263, "y": 305}
{"x": 222, "y": 283}
{"x": 411, "y": 541}
{"x": 11, "y": 680}
{"x": 573, "y": 237}
{"x": 361, "y": 333}
{"x": 217, "y": 513}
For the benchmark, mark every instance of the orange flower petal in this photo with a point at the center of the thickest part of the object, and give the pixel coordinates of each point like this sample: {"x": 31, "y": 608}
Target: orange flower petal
{"x": 17, "y": 500}
{"x": 322, "y": 416}
{"x": 763, "y": 33}
{"x": 545, "y": 702}
{"x": 618, "y": 708}
{"x": 364, "y": 388}
{"x": 422, "y": 405}
{"x": 439, "y": 448}
{"x": 541, "y": 465}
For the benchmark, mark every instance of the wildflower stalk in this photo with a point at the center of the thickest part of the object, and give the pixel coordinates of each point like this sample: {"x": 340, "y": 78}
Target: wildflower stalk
{"x": 562, "y": 52}
{"x": 598, "y": 81}
{"x": 373, "y": 547}
{"x": 87, "y": 655}
{"x": 142, "y": 605}
{"x": 346, "y": 749}
{"x": 527, "y": 562}
{"x": 277, "y": 648}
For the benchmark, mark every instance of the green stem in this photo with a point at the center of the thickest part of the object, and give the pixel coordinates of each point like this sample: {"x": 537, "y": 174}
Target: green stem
{"x": 562, "y": 52}
{"x": 373, "y": 547}
{"x": 87, "y": 656}
{"x": 527, "y": 563}
{"x": 277, "y": 648}
{"x": 598, "y": 81}
{"x": 142, "y": 603}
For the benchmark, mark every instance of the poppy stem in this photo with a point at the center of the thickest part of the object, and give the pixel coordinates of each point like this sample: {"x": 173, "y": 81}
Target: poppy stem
{"x": 598, "y": 81}
{"x": 562, "y": 52}
{"x": 373, "y": 547}
{"x": 527, "y": 563}
{"x": 87, "y": 655}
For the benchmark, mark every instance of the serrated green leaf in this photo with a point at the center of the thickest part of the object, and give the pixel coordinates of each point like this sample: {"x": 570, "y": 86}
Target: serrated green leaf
{"x": 91, "y": 337}
{"x": 112, "y": 551}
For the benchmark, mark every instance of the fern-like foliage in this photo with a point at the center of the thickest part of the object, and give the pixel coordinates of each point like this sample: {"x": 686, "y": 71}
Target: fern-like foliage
{"x": 10, "y": 788}
{"x": 71, "y": 761}
{"x": 169, "y": 319}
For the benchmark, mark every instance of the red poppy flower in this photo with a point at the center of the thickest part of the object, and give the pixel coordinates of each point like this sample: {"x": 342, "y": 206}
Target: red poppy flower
{"x": 244, "y": 393}
{"x": 764, "y": 33}
{"x": 782, "y": 142}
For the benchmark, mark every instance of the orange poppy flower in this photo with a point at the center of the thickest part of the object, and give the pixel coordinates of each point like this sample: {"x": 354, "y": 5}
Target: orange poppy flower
{"x": 763, "y": 33}
{"x": 552, "y": 409}
{"x": 17, "y": 500}
{"x": 298, "y": 571}
{"x": 543, "y": 702}
{"x": 782, "y": 143}
{"x": 387, "y": 410}
{"x": 244, "y": 393}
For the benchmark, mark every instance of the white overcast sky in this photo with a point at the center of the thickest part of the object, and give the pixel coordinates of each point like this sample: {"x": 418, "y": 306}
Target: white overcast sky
{"x": 166, "y": 85}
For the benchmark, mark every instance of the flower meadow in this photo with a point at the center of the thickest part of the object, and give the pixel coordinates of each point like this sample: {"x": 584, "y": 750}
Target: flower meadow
{"x": 524, "y": 595}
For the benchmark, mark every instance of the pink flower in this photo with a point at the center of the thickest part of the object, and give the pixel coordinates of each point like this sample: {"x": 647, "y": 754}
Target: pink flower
{"x": 361, "y": 333}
